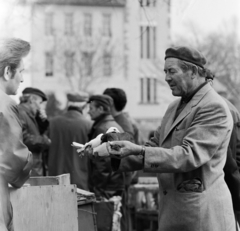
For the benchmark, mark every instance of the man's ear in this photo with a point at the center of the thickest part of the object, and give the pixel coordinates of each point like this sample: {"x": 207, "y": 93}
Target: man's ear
{"x": 101, "y": 108}
{"x": 7, "y": 73}
{"x": 194, "y": 71}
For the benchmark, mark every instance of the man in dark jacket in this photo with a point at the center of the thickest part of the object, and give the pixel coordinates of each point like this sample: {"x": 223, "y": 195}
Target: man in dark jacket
{"x": 28, "y": 108}
{"x": 102, "y": 181}
{"x": 119, "y": 102}
{"x": 15, "y": 158}
{"x": 64, "y": 129}
{"x": 231, "y": 168}
{"x": 232, "y": 174}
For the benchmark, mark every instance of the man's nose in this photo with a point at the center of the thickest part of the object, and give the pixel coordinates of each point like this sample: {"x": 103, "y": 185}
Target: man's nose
{"x": 167, "y": 77}
{"x": 21, "y": 79}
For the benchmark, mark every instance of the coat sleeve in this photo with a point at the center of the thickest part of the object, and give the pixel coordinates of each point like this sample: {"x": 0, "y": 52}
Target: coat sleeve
{"x": 15, "y": 159}
{"x": 196, "y": 144}
{"x": 35, "y": 143}
{"x": 134, "y": 163}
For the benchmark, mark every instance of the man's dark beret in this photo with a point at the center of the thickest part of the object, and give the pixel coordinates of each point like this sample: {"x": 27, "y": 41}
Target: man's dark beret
{"x": 34, "y": 91}
{"x": 103, "y": 100}
{"x": 76, "y": 97}
{"x": 186, "y": 54}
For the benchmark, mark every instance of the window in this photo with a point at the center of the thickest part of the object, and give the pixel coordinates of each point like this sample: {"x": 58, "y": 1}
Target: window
{"x": 147, "y": 3}
{"x": 69, "y": 64}
{"x": 69, "y": 24}
{"x": 148, "y": 42}
{"x": 87, "y": 61}
{"x": 49, "y": 24}
{"x": 87, "y": 24}
{"x": 107, "y": 25}
{"x": 107, "y": 65}
{"x": 48, "y": 64}
{"x": 148, "y": 90}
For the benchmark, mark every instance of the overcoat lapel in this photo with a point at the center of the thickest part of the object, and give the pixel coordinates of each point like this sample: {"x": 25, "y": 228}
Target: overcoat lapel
{"x": 168, "y": 121}
{"x": 171, "y": 123}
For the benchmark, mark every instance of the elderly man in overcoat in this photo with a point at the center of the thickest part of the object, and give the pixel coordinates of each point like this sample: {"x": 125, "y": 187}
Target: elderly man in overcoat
{"x": 64, "y": 129}
{"x": 188, "y": 151}
{"x": 15, "y": 159}
{"x": 37, "y": 143}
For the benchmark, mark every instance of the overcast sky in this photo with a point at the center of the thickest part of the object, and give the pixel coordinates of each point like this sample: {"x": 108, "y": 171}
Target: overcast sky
{"x": 208, "y": 15}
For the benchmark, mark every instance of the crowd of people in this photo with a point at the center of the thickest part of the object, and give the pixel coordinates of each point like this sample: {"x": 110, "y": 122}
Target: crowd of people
{"x": 194, "y": 152}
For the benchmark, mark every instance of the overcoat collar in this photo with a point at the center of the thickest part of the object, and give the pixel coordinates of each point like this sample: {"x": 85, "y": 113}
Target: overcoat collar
{"x": 72, "y": 113}
{"x": 168, "y": 124}
{"x": 103, "y": 119}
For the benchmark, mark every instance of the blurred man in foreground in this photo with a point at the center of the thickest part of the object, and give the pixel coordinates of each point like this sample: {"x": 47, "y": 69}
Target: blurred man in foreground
{"x": 15, "y": 158}
{"x": 70, "y": 127}
{"x": 29, "y": 107}
{"x": 188, "y": 151}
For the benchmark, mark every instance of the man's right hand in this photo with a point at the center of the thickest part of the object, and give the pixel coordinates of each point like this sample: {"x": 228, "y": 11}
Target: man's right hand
{"x": 121, "y": 149}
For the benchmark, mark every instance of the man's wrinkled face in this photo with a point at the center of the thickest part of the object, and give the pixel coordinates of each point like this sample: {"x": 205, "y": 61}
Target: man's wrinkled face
{"x": 15, "y": 80}
{"x": 94, "y": 111}
{"x": 179, "y": 82}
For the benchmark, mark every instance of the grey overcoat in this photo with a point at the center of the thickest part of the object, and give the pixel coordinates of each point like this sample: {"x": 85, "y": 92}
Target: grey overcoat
{"x": 188, "y": 155}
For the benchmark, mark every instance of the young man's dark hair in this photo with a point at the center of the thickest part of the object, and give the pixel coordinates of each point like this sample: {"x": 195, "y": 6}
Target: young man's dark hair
{"x": 119, "y": 97}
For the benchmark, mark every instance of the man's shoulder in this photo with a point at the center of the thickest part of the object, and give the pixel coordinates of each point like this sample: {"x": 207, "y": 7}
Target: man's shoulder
{"x": 6, "y": 102}
{"x": 108, "y": 122}
{"x": 125, "y": 123}
{"x": 62, "y": 120}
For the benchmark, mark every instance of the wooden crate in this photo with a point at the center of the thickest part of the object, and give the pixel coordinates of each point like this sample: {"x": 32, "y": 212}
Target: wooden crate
{"x": 50, "y": 204}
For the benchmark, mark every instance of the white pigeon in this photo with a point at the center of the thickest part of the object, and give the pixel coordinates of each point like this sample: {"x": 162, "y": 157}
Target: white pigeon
{"x": 113, "y": 129}
{"x": 94, "y": 142}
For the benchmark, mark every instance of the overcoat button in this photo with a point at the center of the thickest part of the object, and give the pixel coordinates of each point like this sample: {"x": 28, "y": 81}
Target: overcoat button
{"x": 165, "y": 192}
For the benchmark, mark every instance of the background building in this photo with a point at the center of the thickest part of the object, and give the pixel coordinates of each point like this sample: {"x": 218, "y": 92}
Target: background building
{"x": 91, "y": 45}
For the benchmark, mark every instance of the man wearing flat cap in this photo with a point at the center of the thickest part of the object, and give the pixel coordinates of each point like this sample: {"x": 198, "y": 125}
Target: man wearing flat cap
{"x": 102, "y": 181}
{"x": 72, "y": 126}
{"x": 34, "y": 125}
{"x": 188, "y": 151}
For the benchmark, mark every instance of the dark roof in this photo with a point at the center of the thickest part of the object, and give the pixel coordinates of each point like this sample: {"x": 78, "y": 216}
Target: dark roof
{"x": 119, "y": 3}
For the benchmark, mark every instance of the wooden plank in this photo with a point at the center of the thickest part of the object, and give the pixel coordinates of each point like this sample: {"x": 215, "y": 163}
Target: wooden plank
{"x": 50, "y": 208}
{"x": 147, "y": 180}
{"x": 49, "y": 180}
{"x": 64, "y": 179}
{"x": 144, "y": 187}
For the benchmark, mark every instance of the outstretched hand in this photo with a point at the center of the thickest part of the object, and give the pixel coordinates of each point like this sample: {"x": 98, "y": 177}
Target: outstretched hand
{"x": 122, "y": 149}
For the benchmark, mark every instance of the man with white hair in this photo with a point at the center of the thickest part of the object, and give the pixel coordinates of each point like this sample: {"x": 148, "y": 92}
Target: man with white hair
{"x": 31, "y": 104}
{"x": 15, "y": 158}
{"x": 70, "y": 127}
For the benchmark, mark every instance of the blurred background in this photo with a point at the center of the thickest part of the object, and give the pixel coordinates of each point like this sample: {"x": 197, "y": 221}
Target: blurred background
{"x": 88, "y": 45}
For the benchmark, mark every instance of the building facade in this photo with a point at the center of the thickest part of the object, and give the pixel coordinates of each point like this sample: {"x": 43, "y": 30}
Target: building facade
{"x": 89, "y": 45}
